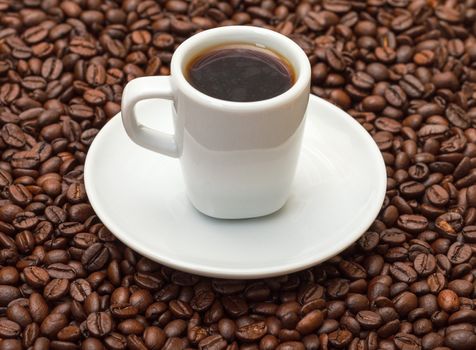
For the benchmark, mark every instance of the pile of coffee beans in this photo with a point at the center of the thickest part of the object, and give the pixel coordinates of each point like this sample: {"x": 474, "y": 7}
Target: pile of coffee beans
{"x": 406, "y": 70}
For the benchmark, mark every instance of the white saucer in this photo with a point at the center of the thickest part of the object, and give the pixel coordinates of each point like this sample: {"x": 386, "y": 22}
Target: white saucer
{"x": 139, "y": 195}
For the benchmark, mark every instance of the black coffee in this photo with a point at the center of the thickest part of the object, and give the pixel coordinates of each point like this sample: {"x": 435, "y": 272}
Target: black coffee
{"x": 240, "y": 73}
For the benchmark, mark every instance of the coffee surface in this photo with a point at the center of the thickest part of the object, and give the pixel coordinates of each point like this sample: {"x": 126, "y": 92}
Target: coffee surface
{"x": 240, "y": 73}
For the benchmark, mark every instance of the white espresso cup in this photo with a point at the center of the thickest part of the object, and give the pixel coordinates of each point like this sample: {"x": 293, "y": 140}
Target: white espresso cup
{"x": 238, "y": 158}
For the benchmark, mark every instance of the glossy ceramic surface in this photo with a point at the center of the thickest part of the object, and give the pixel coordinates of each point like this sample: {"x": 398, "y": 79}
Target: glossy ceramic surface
{"x": 140, "y": 196}
{"x": 238, "y": 158}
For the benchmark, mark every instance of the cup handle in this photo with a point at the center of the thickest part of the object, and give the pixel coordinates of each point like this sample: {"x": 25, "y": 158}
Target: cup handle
{"x": 142, "y": 89}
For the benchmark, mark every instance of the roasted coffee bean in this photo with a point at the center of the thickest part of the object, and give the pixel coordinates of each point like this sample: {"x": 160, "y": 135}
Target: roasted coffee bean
{"x": 251, "y": 332}
{"x": 461, "y": 316}
{"x": 352, "y": 270}
{"x": 369, "y": 241}
{"x": 363, "y": 80}
{"x": 63, "y": 271}
{"x": 234, "y": 306}
{"x": 25, "y": 220}
{"x": 94, "y": 97}
{"x": 69, "y": 333}
{"x": 459, "y": 253}
{"x": 19, "y": 314}
{"x": 403, "y": 272}
{"x": 92, "y": 344}
{"x": 227, "y": 328}
{"x": 130, "y": 326}
{"x": 175, "y": 328}
{"x": 30, "y": 334}
{"x": 424, "y": 264}
{"x": 412, "y": 86}
{"x": 19, "y": 194}
{"x": 437, "y": 195}
{"x": 38, "y": 307}
{"x": 335, "y": 60}
{"x": 405, "y": 302}
{"x": 51, "y": 68}
{"x": 80, "y": 289}
{"x": 461, "y": 287}
{"x": 12, "y": 135}
{"x": 154, "y": 337}
{"x": 10, "y": 344}
{"x": 116, "y": 341}
{"x": 80, "y": 112}
{"x": 99, "y": 324}
{"x": 436, "y": 282}
{"x": 180, "y": 309}
{"x": 215, "y": 342}
{"x": 461, "y": 339}
{"x": 55, "y": 214}
{"x": 52, "y": 324}
{"x": 291, "y": 345}
{"x": 36, "y": 277}
{"x": 82, "y": 47}
{"x": 340, "y": 338}
{"x": 141, "y": 299}
{"x": 196, "y": 334}
{"x": 123, "y": 310}
{"x": 95, "y": 257}
{"x": 56, "y": 289}
{"x": 412, "y": 223}
{"x": 407, "y": 341}
{"x": 457, "y": 116}
{"x": 25, "y": 241}
{"x": 449, "y": 223}
{"x": 9, "y": 275}
{"x": 369, "y": 319}
{"x": 395, "y": 96}
{"x": 9, "y": 329}
{"x": 202, "y": 300}
{"x": 312, "y": 321}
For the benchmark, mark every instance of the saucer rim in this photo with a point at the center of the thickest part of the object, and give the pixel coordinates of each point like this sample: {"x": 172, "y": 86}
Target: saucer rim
{"x": 249, "y": 273}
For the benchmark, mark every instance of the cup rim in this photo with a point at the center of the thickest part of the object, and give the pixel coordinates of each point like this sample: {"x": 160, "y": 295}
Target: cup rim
{"x": 302, "y": 66}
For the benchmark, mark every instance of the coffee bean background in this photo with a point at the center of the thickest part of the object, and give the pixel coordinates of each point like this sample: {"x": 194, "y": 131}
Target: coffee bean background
{"x": 406, "y": 70}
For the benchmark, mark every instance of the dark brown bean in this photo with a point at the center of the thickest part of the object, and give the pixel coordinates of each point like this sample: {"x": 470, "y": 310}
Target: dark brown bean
{"x": 52, "y": 324}
{"x": 56, "y": 289}
{"x": 36, "y": 276}
{"x": 154, "y": 337}
{"x": 251, "y": 332}
{"x": 99, "y": 324}
{"x": 463, "y": 340}
{"x": 80, "y": 289}
{"x": 9, "y": 329}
